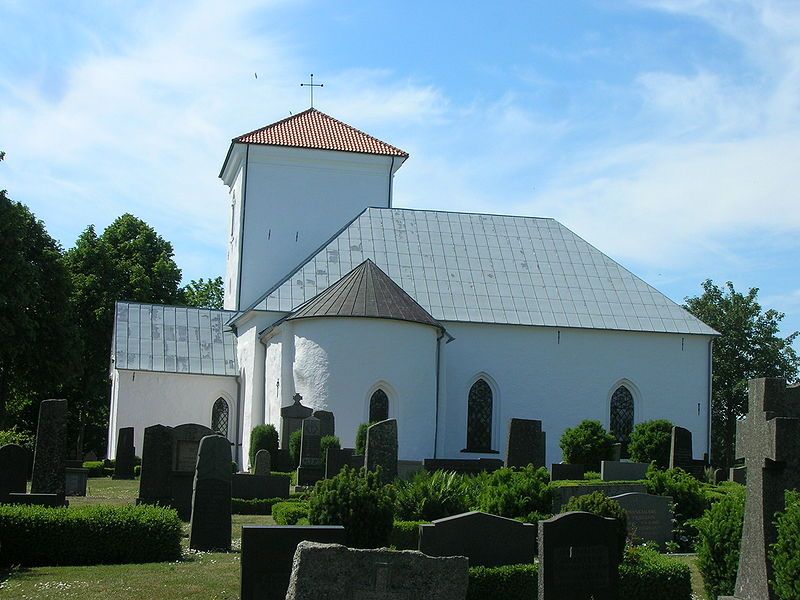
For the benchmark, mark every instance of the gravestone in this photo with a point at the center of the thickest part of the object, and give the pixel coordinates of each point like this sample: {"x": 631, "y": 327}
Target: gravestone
{"x": 381, "y": 449}
{"x": 327, "y": 425}
{"x": 311, "y": 468}
{"x": 526, "y": 443}
{"x": 263, "y": 464}
{"x": 616, "y": 451}
{"x": 463, "y": 465}
{"x": 47, "y": 500}
{"x": 357, "y": 461}
{"x": 566, "y": 472}
{"x": 769, "y": 441}
{"x": 719, "y": 476}
{"x": 292, "y": 417}
{"x": 267, "y": 553}
{"x": 126, "y": 454}
{"x": 154, "y": 479}
{"x": 649, "y": 517}
{"x": 281, "y": 461}
{"x": 51, "y": 446}
{"x": 75, "y": 481}
{"x": 332, "y": 571}
{"x": 335, "y": 461}
{"x": 211, "y": 500}
{"x": 562, "y": 494}
{"x": 622, "y": 471}
{"x": 579, "y": 557}
{"x": 13, "y": 470}
{"x": 487, "y": 540}
{"x": 739, "y": 475}
{"x": 680, "y": 454}
{"x": 185, "y": 445}
{"x": 259, "y": 487}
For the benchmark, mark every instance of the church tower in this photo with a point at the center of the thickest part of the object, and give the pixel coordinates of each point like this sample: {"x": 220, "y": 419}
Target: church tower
{"x": 293, "y": 185}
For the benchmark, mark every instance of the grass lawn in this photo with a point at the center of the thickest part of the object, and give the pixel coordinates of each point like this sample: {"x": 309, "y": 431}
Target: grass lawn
{"x": 200, "y": 575}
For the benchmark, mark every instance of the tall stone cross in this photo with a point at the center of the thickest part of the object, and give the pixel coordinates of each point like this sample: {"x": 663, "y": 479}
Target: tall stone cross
{"x": 769, "y": 441}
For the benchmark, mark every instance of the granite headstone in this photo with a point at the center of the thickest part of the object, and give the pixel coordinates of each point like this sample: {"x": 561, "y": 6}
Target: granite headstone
{"x": 126, "y": 454}
{"x": 566, "y": 472}
{"x": 649, "y": 517}
{"x": 211, "y": 500}
{"x": 526, "y": 443}
{"x": 622, "y": 471}
{"x": 51, "y": 448}
{"x": 327, "y": 423}
{"x": 75, "y": 481}
{"x": 13, "y": 470}
{"x": 154, "y": 480}
{"x": 185, "y": 445}
{"x": 335, "y": 460}
{"x": 263, "y": 464}
{"x": 259, "y": 487}
{"x": 311, "y": 468}
{"x": 562, "y": 494}
{"x": 292, "y": 417}
{"x": 680, "y": 454}
{"x": 739, "y": 475}
{"x": 381, "y": 449}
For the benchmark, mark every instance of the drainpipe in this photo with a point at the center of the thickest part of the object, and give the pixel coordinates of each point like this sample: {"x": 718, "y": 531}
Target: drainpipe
{"x": 710, "y": 392}
{"x": 238, "y": 441}
{"x": 450, "y": 338}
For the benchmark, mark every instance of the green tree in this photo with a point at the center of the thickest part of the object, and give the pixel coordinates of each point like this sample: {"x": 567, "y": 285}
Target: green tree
{"x": 749, "y": 347}
{"x": 128, "y": 261}
{"x": 38, "y": 335}
{"x": 202, "y": 293}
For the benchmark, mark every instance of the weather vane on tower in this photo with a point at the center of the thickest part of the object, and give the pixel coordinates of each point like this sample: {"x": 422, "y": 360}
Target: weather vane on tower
{"x": 312, "y": 85}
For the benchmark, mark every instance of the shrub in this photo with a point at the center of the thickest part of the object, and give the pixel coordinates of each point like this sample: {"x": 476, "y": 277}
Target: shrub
{"x": 515, "y": 493}
{"x": 586, "y": 444}
{"x": 263, "y": 437}
{"x": 591, "y": 475}
{"x": 96, "y": 468}
{"x": 257, "y": 506}
{"x": 644, "y": 574}
{"x": 328, "y": 441}
{"x": 15, "y": 436}
{"x": 295, "y": 441}
{"x": 361, "y": 437}
{"x": 429, "y": 496}
{"x": 405, "y": 535}
{"x": 599, "y": 504}
{"x": 357, "y": 500}
{"x": 650, "y": 442}
{"x": 687, "y": 493}
{"x": 785, "y": 552}
{"x": 89, "y": 535}
{"x": 137, "y": 470}
{"x": 719, "y": 536}
{"x": 509, "y": 582}
{"x": 289, "y": 513}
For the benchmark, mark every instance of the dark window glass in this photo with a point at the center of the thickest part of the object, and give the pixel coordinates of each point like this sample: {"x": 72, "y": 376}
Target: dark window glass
{"x": 622, "y": 414}
{"x": 219, "y": 417}
{"x": 378, "y": 406}
{"x": 479, "y": 417}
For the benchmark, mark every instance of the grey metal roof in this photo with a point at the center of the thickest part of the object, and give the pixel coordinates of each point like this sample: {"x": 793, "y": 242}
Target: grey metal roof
{"x": 489, "y": 269}
{"x": 173, "y": 339}
{"x": 366, "y": 291}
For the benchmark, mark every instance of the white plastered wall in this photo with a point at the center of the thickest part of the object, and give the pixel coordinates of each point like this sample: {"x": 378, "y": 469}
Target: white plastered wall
{"x": 564, "y": 376}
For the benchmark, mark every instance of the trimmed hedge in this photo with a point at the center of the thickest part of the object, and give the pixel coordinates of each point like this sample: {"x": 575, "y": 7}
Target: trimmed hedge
{"x": 647, "y": 575}
{"x": 258, "y": 506}
{"x": 509, "y": 582}
{"x": 289, "y": 513}
{"x": 90, "y": 535}
{"x": 405, "y": 535}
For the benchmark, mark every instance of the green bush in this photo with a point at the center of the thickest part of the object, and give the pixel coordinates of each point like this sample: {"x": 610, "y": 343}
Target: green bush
{"x": 289, "y": 513}
{"x": 591, "y": 475}
{"x": 89, "y": 535}
{"x": 508, "y": 582}
{"x": 361, "y": 437}
{"x": 357, "y": 500}
{"x": 650, "y": 442}
{"x": 719, "y": 534}
{"x": 328, "y": 441}
{"x": 586, "y": 444}
{"x": 432, "y": 495}
{"x": 514, "y": 493}
{"x": 295, "y": 441}
{"x": 687, "y": 493}
{"x": 785, "y": 552}
{"x": 599, "y": 504}
{"x": 405, "y": 535}
{"x": 644, "y": 574}
{"x": 15, "y": 436}
{"x": 263, "y": 437}
{"x": 257, "y": 506}
{"x": 96, "y": 468}
{"x": 137, "y": 470}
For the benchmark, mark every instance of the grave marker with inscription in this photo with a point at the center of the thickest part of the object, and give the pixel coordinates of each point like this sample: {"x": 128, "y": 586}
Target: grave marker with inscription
{"x": 526, "y": 443}
{"x": 263, "y": 464}
{"x": 154, "y": 481}
{"x": 211, "y": 500}
{"x": 622, "y": 471}
{"x": 185, "y": 445}
{"x": 566, "y": 472}
{"x": 327, "y": 423}
{"x": 680, "y": 455}
{"x": 336, "y": 459}
{"x": 51, "y": 447}
{"x": 311, "y": 468}
{"x": 649, "y": 517}
{"x": 381, "y": 449}
{"x": 292, "y": 417}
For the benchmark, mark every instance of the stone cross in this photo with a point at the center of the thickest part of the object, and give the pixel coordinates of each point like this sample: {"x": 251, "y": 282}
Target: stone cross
{"x": 769, "y": 441}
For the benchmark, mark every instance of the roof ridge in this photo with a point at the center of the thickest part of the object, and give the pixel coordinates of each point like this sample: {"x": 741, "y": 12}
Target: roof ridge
{"x": 279, "y": 122}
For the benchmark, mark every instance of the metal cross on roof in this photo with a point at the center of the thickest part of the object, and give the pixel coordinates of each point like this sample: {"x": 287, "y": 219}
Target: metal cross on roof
{"x": 312, "y": 85}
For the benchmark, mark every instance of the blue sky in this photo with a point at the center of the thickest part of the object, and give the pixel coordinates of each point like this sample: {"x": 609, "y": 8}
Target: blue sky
{"x": 665, "y": 132}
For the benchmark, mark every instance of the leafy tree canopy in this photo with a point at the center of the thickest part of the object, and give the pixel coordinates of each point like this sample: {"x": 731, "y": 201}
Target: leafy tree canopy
{"x": 749, "y": 347}
{"x": 202, "y": 293}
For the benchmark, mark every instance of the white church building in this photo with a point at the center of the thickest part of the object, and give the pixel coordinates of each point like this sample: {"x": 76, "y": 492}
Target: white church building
{"x": 452, "y": 323}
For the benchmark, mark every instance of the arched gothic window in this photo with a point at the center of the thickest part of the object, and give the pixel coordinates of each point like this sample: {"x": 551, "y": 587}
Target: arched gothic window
{"x": 479, "y": 417}
{"x": 622, "y": 414}
{"x": 378, "y": 406}
{"x": 219, "y": 417}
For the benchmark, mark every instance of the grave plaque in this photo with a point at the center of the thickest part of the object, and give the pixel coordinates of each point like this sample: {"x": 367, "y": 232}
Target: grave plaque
{"x": 267, "y": 553}
{"x": 13, "y": 470}
{"x": 75, "y": 481}
{"x": 263, "y": 464}
{"x": 326, "y": 422}
{"x": 51, "y": 446}
{"x": 566, "y": 472}
{"x": 769, "y": 441}
{"x": 185, "y": 444}
{"x": 487, "y": 540}
{"x": 331, "y": 571}
{"x": 622, "y": 471}
{"x": 526, "y": 443}
{"x": 292, "y": 417}
{"x": 186, "y": 454}
{"x": 211, "y": 500}
{"x": 154, "y": 481}
{"x": 126, "y": 454}
{"x": 579, "y": 557}
{"x": 311, "y": 468}
{"x": 649, "y": 517}
{"x": 335, "y": 460}
{"x": 381, "y": 449}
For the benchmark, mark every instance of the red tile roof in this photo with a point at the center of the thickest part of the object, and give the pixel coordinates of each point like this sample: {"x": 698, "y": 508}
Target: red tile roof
{"x": 314, "y": 129}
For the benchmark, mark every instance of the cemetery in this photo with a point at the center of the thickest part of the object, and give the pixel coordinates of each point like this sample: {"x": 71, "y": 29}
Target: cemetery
{"x": 185, "y": 522}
